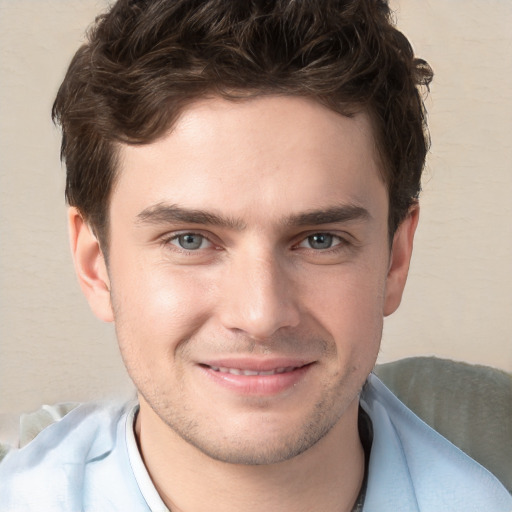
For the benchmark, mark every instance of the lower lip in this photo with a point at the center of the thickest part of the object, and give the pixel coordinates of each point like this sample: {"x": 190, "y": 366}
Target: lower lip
{"x": 259, "y": 385}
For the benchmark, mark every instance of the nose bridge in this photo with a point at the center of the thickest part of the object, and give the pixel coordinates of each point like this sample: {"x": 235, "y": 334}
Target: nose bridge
{"x": 257, "y": 295}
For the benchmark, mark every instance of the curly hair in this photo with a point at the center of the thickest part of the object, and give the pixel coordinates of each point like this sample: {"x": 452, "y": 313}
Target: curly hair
{"x": 146, "y": 60}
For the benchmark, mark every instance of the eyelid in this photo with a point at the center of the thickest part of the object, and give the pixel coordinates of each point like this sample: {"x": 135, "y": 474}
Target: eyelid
{"x": 343, "y": 237}
{"x": 171, "y": 236}
{"x": 337, "y": 241}
{"x": 344, "y": 240}
{"x": 204, "y": 243}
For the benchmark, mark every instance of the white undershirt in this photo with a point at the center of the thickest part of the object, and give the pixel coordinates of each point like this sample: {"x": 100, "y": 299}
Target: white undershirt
{"x": 140, "y": 472}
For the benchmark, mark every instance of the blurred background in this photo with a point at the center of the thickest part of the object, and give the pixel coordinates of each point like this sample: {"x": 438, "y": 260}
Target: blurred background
{"x": 458, "y": 301}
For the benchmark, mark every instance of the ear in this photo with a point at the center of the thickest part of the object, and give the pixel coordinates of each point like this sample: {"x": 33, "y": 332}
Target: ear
{"x": 400, "y": 258}
{"x": 90, "y": 266}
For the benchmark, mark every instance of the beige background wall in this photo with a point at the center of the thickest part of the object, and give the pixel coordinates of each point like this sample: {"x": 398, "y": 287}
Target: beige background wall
{"x": 459, "y": 298}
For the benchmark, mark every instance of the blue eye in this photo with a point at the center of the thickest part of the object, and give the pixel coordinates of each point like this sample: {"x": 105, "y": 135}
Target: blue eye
{"x": 190, "y": 241}
{"x": 320, "y": 241}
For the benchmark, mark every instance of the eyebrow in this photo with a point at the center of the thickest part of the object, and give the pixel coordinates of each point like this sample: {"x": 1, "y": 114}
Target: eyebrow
{"x": 163, "y": 213}
{"x": 336, "y": 214}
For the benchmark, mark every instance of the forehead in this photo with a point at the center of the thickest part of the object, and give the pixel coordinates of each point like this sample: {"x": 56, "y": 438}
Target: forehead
{"x": 278, "y": 153}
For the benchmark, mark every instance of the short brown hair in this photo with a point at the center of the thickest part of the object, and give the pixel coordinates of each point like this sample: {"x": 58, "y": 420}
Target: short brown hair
{"x": 146, "y": 60}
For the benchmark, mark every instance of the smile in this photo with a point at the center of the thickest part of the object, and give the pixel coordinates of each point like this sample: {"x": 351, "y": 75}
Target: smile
{"x": 257, "y": 378}
{"x": 237, "y": 371}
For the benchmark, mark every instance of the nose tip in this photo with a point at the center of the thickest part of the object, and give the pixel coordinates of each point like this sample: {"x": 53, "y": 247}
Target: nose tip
{"x": 259, "y": 299}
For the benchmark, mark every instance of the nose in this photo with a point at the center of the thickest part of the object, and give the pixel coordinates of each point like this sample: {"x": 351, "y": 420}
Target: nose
{"x": 258, "y": 296}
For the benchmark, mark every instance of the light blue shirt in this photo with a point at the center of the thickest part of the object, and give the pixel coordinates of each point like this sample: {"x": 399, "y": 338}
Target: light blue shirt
{"x": 88, "y": 461}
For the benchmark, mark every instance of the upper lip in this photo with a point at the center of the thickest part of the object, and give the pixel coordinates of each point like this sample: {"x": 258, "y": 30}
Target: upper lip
{"x": 257, "y": 364}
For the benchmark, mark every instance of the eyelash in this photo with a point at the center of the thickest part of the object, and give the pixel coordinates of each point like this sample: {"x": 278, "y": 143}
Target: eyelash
{"x": 167, "y": 241}
{"x": 342, "y": 242}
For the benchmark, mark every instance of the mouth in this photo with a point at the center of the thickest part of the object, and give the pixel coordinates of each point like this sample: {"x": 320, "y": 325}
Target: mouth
{"x": 249, "y": 373}
{"x": 253, "y": 377}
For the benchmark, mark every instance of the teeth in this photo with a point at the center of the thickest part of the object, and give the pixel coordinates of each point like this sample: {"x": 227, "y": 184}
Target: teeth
{"x": 236, "y": 371}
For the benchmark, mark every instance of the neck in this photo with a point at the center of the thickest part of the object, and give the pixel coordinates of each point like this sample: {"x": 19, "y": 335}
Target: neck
{"x": 326, "y": 477}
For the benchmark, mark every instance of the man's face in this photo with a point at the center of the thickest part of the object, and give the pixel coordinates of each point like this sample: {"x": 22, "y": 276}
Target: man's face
{"x": 248, "y": 271}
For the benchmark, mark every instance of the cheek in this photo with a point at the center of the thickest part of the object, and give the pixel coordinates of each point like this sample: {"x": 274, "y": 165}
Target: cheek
{"x": 155, "y": 313}
{"x": 157, "y": 307}
{"x": 349, "y": 305}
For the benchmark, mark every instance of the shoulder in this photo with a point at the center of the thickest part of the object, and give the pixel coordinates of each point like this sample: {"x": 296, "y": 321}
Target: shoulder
{"x": 412, "y": 464}
{"x": 54, "y": 469}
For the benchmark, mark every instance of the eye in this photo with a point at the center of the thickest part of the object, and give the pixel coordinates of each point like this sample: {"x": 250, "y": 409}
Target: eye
{"x": 190, "y": 241}
{"x": 321, "y": 241}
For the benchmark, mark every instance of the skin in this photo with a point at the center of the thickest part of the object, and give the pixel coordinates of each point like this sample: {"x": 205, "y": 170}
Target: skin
{"x": 252, "y": 236}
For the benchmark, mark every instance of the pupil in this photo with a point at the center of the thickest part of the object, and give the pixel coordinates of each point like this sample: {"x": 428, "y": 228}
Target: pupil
{"x": 190, "y": 241}
{"x": 320, "y": 241}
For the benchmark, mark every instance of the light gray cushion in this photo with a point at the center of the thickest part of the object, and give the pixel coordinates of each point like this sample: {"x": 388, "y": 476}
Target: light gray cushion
{"x": 471, "y": 405}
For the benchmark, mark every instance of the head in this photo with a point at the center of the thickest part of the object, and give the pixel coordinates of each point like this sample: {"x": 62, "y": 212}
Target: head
{"x": 245, "y": 165}
{"x": 145, "y": 62}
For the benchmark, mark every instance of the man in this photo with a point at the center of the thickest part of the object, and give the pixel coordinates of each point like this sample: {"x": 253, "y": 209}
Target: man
{"x": 243, "y": 181}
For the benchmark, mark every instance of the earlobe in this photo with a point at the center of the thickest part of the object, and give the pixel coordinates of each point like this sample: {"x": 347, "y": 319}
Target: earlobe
{"x": 400, "y": 258}
{"x": 90, "y": 266}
